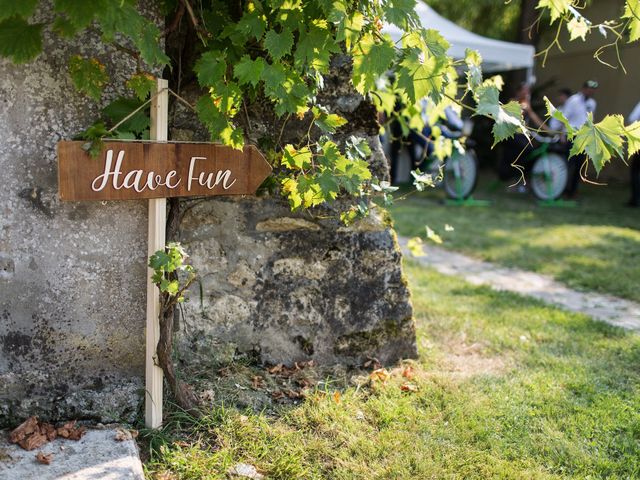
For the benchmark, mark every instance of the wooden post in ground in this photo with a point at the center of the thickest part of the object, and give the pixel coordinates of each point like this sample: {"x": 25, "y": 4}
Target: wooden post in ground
{"x": 156, "y": 241}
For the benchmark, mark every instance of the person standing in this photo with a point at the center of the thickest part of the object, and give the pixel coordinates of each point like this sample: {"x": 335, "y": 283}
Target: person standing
{"x": 634, "y": 201}
{"x": 576, "y": 110}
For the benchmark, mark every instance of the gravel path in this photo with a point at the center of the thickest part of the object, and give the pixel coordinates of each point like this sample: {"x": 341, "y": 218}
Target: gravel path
{"x": 607, "y": 308}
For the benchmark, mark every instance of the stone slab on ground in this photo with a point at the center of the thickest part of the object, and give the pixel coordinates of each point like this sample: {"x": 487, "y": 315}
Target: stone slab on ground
{"x": 97, "y": 455}
{"x": 606, "y": 308}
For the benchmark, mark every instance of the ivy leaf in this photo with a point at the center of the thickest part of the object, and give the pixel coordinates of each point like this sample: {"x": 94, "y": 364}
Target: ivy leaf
{"x": 210, "y": 68}
{"x": 632, "y": 12}
{"x": 18, "y": 8}
{"x": 278, "y": 44}
{"x": 600, "y": 141}
{"x": 557, "y": 8}
{"x": 370, "y": 60}
{"x": 20, "y": 41}
{"x": 249, "y": 71}
{"x": 632, "y": 133}
{"x": 142, "y": 85}
{"x": 508, "y": 118}
{"x": 89, "y": 76}
{"x": 577, "y": 28}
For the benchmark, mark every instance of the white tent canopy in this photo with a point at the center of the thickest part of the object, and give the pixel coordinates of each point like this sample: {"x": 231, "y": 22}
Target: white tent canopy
{"x": 496, "y": 54}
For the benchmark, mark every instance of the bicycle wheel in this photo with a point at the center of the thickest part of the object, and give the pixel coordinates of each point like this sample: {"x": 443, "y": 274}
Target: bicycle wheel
{"x": 548, "y": 177}
{"x": 461, "y": 175}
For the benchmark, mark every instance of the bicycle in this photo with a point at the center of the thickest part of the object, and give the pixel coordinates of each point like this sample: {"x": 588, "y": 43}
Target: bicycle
{"x": 548, "y": 175}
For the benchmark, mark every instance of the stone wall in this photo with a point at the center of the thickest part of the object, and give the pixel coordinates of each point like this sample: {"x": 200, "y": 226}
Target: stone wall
{"x": 72, "y": 275}
{"x": 276, "y": 286}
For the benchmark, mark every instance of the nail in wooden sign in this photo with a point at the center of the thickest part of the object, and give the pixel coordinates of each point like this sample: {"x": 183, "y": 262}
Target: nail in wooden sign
{"x": 134, "y": 170}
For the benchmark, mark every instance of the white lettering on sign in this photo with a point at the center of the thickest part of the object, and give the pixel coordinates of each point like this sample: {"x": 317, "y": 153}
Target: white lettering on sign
{"x": 139, "y": 180}
{"x": 223, "y": 176}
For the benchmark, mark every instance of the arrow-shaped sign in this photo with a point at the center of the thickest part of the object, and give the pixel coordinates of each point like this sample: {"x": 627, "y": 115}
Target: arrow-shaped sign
{"x": 134, "y": 170}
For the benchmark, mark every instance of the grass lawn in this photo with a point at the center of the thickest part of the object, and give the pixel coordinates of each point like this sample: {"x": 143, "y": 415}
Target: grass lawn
{"x": 595, "y": 246}
{"x": 505, "y": 387}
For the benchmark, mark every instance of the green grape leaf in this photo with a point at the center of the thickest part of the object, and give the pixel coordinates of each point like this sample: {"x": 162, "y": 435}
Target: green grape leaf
{"x": 20, "y": 41}
{"x": 474, "y": 69}
{"x": 81, "y": 13}
{"x": 328, "y": 184}
{"x": 148, "y": 42}
{"x": 252, "y": 24}
{"x": 142, "y": 85}
{"x": 370, "y": 60}
{"x": 419, "y": 78}
{"x": 401, "y": 13}
{"x": 296, "y": 159}
{"x": 507, "y": 118}
{"x": 553, "y": 112}
{"x": 349, "y": 29}
{"x": 315, "y": 46}
{"x": 18, "y": 8}
{"x": 290, "y": 190}
{"x": 632, "y": 12}
{"x": 120, "y": 108}
{"x": 232, "y": 136}
{"x": 599, "y": 141}
{"x": 249, "y": 71}
{"x": 557, "y": 8}
{"x": 89, "y": 76}
{"x": 577, "y": 28}
{"x": 632, "y": 132}
{"x": 328, "y": 122}
{"x": 210, "y": 68}
{"x": 278, "y": 44}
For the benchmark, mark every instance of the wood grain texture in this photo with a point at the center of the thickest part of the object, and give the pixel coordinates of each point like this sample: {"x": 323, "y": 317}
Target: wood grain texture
{"x": 197, "y": 166}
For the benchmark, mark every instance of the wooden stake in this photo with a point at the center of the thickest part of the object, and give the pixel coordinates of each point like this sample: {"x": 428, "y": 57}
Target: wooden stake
{"x": 156, "y": 241}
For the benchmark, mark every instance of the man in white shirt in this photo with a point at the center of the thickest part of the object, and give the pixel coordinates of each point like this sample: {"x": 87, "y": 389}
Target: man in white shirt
{"x": 576, "y": 110}
{"x": 635, "y": 164}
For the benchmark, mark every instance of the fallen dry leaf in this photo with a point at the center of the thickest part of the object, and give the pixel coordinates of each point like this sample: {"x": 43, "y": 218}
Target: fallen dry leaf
{"x": 380, "y": 374}
{"x": 33, "y": 441}
{"x": 372, "y": 363}
{"x": 25, "y": 428}
{"x": 70, "y": 431}
{"x": 166, "y": 476}
{"x": 257, "y": 382}
{"x": 337, "y": 397}
{"x": 276, "y": 369}
{"x": 48, "y": 430}
{"x": 408, "y": 387}
{"x": 44, "y": 458}
{"x": 122, "y": 435}
{"x": 407, "y": 372}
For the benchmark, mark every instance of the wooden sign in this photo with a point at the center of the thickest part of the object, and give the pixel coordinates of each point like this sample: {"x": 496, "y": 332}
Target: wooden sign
{"x": 134, "y": 170}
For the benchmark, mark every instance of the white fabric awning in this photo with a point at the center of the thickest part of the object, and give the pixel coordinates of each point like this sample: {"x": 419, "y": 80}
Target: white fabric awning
{"x": 496, "y": 55}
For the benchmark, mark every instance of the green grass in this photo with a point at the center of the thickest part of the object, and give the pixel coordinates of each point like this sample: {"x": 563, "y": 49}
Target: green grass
{"x": 595, "y": 246}
{"x": 507, "y": 388}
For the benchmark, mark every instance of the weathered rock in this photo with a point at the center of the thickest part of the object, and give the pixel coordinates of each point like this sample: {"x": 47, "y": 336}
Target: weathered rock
{"x": 286, "y": 288}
